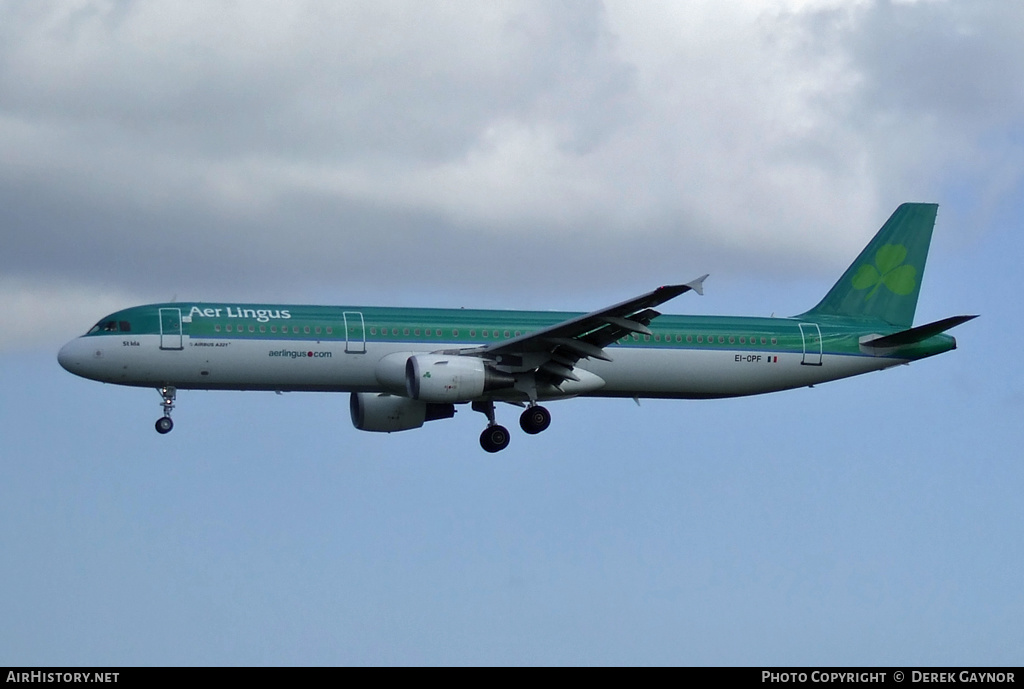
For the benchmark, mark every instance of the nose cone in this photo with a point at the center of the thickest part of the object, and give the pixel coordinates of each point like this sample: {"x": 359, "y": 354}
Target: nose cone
{"x": 71, "y": 357}
{"x": 64, "y": 357}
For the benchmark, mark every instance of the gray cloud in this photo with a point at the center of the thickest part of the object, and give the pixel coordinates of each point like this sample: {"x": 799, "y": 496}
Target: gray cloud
{"x": 154, "y": 147}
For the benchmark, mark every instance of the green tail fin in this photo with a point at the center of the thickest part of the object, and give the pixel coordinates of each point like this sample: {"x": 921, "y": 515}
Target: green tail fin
{"x": 885, "y": 279}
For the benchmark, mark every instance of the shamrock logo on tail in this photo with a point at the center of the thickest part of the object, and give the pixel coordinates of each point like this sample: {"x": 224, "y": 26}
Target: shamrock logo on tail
{"x": 889, "y": 271}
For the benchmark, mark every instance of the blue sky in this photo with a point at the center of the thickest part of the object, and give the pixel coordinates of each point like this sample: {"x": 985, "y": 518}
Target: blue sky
{"x": 587, "y": 153}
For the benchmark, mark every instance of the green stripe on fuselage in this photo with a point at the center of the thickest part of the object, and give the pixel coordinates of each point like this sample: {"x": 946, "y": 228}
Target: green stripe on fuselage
{"x": 423, "y": 328}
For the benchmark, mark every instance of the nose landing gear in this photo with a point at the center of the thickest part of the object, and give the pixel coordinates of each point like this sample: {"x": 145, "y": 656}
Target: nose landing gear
{"x": 164, "y": 424}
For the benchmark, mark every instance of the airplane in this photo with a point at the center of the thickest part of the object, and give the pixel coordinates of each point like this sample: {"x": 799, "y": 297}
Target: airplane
{"x": 406, "y": 366}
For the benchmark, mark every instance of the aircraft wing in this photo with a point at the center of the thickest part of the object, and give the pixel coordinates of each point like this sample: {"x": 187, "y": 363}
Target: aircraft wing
{"x": 555, "y": 350}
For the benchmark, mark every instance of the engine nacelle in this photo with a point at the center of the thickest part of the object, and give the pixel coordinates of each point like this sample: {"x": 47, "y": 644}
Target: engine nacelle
{"x": 449, "y": 379}
{"x": 388, "y": 413}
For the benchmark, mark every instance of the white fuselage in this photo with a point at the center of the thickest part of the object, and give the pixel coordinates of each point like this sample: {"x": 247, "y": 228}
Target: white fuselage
{"x": 320, "y": 365}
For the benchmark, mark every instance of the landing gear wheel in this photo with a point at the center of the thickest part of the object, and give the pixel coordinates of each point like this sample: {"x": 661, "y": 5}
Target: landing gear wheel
{"x": 535, "y": 419}
{"x": 167, "y": 395}
{"x": 494, "y": 438}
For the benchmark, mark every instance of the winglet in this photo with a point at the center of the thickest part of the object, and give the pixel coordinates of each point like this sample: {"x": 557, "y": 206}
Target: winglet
{"x": 698, "y": 284}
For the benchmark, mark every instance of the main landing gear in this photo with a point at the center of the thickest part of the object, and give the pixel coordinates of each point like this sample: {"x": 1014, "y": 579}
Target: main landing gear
{"x": 495, "y": 437}
{"x": 535, "y": 419}
{"x": 164, "y": 424}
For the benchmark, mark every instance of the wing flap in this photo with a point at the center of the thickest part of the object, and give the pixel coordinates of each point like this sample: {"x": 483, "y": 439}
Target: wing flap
{"x": 554, "y": 351}
{"x": 559, "y": 371}
{"x": 580, "y": 347}
{"x": 627, "y": 324}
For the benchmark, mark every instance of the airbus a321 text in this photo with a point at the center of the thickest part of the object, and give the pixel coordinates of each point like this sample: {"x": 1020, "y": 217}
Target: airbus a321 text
{"x": 404, "y": 367}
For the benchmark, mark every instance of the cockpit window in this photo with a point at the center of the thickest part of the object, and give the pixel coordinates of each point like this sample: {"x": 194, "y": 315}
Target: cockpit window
{"x": 111, "y": 327}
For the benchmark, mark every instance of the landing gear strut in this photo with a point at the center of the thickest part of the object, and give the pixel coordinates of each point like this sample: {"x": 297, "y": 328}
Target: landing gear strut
{"x": 164, "y": 424}
{"x": 495, "y": 437}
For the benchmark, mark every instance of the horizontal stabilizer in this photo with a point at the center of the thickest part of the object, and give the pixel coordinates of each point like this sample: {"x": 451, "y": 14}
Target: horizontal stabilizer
{"x": 915, "y": 335}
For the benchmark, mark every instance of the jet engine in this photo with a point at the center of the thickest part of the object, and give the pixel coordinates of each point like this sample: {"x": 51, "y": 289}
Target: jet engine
{"x": 448, "y": 379}
{"x": 384, "y": 413}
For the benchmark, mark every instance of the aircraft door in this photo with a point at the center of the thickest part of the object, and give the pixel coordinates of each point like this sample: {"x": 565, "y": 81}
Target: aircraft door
{"x": 170, "y": 329}
{"x": 355, "y": 332}
{"x": 811, "y": 334}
